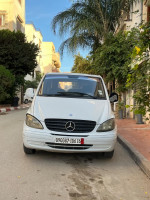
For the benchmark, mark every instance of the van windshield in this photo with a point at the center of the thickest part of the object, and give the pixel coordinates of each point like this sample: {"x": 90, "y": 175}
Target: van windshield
{"x": 72, "y": 86}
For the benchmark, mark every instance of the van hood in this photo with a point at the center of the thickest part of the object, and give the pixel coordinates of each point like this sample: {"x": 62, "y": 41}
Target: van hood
{"x": 71, "y": 108}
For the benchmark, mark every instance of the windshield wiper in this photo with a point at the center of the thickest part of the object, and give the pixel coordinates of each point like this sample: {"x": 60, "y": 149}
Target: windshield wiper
{"x": 77, "y": 93}
{"x": 50, "y": 95}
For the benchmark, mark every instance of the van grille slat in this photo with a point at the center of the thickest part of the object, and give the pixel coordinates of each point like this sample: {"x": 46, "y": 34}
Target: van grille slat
{"x": 59, "y": 125}
{"x": 68, "y": 146}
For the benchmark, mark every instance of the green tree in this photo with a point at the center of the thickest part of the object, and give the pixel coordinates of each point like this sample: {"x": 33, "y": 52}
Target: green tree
{"x": 18, "y": 55}
{"x": 113, "y": 57}
{"x": 139, "y": 74}
{"x": 89, "y": 22}
{"x": 38, "y": 76}
{"x": 111, "y": 60}
{"x": 34, "y": 83}
{"x": 7, "y": 82}
{"x": 83, "y": 65}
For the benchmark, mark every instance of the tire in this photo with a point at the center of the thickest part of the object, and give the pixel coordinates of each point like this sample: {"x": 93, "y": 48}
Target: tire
{"x": 26, "y": 101}
{"x": 109, "y": 154}
{"x": 28, "y": 151}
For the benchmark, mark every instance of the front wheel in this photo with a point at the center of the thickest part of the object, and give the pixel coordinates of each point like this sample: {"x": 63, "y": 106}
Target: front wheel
{"x": 28, "y": 151}
{"x": 109, "y": 154}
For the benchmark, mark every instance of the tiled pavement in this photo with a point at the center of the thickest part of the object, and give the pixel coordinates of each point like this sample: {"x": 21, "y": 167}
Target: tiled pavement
{"x": 136, "y": 139}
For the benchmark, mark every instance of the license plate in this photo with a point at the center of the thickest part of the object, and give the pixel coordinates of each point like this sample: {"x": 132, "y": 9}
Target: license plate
{"x": 69, "y": 140}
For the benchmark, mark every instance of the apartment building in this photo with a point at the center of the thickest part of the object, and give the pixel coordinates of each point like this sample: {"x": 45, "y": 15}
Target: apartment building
{"x": 139, "y": 12}
{"x": 50, "y": 58}
{"x": 12, "y": 15}
{"x": 35, "y": 36}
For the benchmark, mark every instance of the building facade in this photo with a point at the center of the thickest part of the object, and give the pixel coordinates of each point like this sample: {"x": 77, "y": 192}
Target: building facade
{"x": 12, "y": 15}
{"x": 35, "y": 36}
{"x": 50, "y": 58}
{"x": 139, "y": 13}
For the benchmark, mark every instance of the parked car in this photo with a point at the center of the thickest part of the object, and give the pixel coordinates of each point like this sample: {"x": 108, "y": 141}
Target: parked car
{"x": 70, "y": 113}
{"x": 29, "y": 94}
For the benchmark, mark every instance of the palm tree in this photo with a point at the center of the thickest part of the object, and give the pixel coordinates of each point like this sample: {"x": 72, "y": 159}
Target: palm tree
{"x": 89, "y": 22}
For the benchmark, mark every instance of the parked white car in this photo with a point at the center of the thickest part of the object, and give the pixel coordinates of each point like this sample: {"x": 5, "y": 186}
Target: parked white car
{"x": 29, "y": 94}
{"x": 70, "y": 113}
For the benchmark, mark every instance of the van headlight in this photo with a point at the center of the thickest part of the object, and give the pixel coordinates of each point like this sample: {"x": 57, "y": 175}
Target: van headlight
{"x": 33, "y": 122}
{"x": 108, "y": 125}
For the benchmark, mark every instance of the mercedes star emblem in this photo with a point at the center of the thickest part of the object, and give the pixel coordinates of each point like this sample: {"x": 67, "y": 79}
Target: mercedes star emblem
{"x": 70, "y": 126}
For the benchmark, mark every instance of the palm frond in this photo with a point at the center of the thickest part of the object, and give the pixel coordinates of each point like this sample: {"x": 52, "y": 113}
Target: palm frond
{"x": 89, "y": 21}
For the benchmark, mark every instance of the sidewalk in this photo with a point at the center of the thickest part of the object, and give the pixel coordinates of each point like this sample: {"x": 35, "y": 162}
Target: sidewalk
{"x": 4, "y": 109}
{"x": 136, "y": 139}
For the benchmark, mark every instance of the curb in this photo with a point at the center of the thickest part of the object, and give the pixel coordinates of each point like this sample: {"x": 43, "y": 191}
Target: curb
{"x": 2, "y": 110}
{"x": 139, "y": 159}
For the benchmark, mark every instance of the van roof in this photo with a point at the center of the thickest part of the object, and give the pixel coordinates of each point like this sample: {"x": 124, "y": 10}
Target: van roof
{"x": 72, "y": 74}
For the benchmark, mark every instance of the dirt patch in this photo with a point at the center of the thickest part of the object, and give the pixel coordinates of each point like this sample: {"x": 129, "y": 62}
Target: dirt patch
{"x": 82, "y": 190}
{"x": 3, "y": 113}
{"x": 88, "y": 183}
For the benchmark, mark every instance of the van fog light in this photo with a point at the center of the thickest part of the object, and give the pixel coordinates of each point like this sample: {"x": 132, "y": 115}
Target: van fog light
{"x": 108, "y": 125}
{"x": 33, "y": 122}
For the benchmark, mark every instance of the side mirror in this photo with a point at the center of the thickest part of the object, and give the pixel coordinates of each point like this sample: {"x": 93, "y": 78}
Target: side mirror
{"x": 113, "y": 97}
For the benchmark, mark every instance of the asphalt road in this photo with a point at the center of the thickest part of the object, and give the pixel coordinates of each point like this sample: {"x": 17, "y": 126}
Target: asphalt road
{"x": 53, "y": 176}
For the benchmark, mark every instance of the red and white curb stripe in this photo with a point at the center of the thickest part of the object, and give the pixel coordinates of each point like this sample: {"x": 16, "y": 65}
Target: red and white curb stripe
{"x": 12, "y": 108}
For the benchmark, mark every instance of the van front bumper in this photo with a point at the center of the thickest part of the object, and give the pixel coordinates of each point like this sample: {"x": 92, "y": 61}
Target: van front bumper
{"x": 46, "y": 140}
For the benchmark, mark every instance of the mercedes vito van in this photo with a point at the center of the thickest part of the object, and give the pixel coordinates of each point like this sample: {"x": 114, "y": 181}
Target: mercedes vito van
{"x": 70, "y": 113}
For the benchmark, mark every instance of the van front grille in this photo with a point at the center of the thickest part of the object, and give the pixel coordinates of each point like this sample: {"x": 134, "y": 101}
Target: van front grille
{"x": 70, "y": 125}
{"x": 69, "y": 146}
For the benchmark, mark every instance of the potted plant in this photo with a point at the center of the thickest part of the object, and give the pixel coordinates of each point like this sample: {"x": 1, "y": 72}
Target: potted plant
{"x": 139, "y": 119}
{"x": 138, "y": 114}
{"x": 121, "y": 107}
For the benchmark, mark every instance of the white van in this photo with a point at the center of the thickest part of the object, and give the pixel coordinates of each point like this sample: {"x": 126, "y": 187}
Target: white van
{"x": 29, "y": 94}
{"x": 70, "y": 113}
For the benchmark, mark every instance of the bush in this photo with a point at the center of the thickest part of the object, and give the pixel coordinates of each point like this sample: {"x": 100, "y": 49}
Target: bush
{"x": 7, "y": 82}
{"x": 34, "y": 83}
{"x": 30, "y": 84}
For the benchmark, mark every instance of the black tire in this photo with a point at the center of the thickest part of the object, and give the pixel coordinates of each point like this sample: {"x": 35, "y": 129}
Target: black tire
{"x": 109, "y": 154}
{"x": 26, "y": 101}
{"x": 28, "y": 151}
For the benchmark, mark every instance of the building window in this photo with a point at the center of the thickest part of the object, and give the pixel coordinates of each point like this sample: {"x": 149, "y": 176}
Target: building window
{"x": 130, "y": 13}
{"x": 19, "y": 24}
{"x": 2, "y": 20}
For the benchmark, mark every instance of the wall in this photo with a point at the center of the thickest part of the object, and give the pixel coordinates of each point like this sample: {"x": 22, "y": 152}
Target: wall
{"x": 13, "y": 11}
{"x": 50, "y": 58}
{"x": 136, "y": 15}
{"x": 136, "y": 19}
{"x": 32, "y": 35}
{"x": 47, "y": 51}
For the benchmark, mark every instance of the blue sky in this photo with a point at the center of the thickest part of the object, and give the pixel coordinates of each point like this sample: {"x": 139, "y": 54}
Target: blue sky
{"x": 41, "y": 13}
